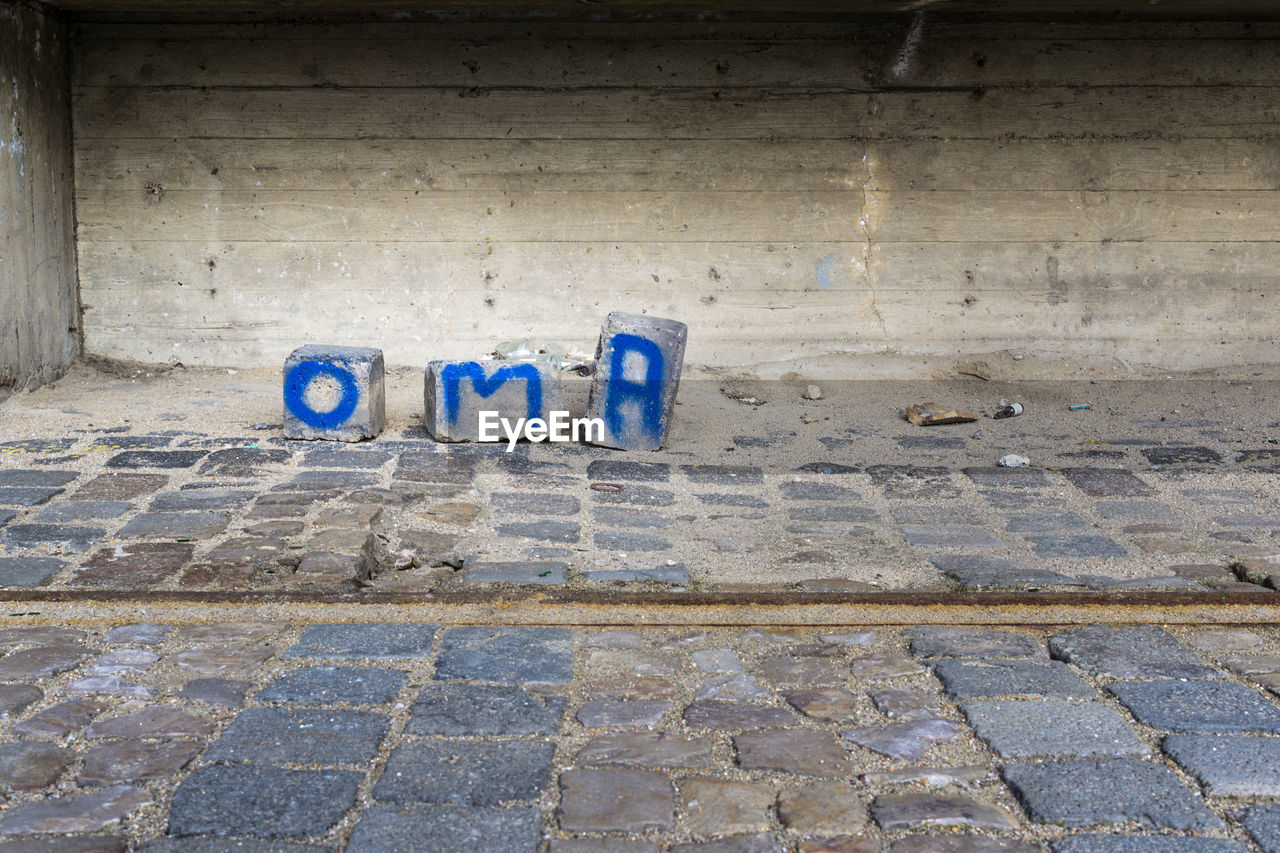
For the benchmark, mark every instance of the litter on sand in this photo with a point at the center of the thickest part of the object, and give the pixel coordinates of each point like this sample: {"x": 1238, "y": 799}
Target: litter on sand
{"x": 1078, "y": 408}
{"x": 1008, "y": 410}
{"x": 544, "y": 353}
{"x": 1013, "y": 460}
{"x": 933, "y": 414}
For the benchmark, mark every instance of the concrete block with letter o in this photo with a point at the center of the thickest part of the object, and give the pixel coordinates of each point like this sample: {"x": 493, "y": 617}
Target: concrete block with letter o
{"x": 334, "y": 393}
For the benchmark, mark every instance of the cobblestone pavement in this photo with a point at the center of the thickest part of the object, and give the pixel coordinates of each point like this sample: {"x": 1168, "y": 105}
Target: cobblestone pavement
{"x": 410, "y": 736}
{"x": 104, "y": 509}
{"x": 1165, "y": 488}
{"x": 309, "y": 733}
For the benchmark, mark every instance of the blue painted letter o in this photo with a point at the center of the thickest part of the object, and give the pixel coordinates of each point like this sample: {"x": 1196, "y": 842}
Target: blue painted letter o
{"x": 295, "y": 393}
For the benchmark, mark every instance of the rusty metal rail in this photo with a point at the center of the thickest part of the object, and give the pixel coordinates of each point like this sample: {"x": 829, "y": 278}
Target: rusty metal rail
{"x": 592, "y": 607}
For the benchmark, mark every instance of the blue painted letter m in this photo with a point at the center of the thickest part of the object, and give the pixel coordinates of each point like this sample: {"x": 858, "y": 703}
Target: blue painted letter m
{"x": 453, "y": 374}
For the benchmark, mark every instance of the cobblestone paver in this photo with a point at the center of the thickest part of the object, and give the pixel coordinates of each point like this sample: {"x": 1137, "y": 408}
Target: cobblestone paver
{"x": 289, "y": 736}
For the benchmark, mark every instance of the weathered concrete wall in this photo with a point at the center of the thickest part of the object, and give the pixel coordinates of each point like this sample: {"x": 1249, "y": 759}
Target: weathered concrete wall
{"x": 903, "y": 195}
{"x": 39, "y": 317}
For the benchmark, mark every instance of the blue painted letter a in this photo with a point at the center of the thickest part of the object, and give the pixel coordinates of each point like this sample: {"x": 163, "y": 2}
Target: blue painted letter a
{"x": 641, "y": 397}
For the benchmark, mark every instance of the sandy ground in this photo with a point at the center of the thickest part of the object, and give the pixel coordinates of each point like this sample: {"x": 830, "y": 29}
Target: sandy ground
{"x": 230, "y": 402}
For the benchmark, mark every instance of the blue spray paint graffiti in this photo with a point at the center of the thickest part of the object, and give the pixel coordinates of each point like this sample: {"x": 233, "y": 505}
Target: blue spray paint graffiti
{"x": 830, "y": 272}
{"x": 647, "y": 394}
{"x": 295, "y": 394}
{"x": 483, "y": 386}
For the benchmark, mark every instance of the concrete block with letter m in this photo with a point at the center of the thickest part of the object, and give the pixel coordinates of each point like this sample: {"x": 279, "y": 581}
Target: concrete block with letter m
{"x": 457, "y": 391}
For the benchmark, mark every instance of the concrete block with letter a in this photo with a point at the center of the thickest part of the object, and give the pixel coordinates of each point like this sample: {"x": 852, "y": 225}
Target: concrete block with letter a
{"x": 638, "y": 362}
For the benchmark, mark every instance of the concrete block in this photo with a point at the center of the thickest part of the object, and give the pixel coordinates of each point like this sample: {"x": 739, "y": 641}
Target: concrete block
{"x": 334, "y": 393}
{"x": 638, "y": 363}
{"x": 456, "y": 391}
